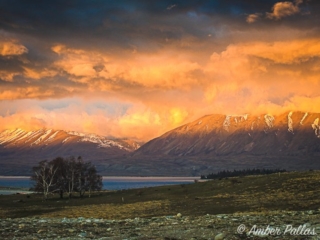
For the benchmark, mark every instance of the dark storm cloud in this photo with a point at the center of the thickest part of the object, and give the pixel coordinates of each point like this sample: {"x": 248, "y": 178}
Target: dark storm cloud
{"x": 12, "y": 64}
{"x": 112, "y": 26}
{"x": 124, "y": 23}
{"x": 24, "y": 88}
{"x": 119, "y": 27}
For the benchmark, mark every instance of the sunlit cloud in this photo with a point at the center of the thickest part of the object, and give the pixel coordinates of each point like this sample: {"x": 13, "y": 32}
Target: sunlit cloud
{"x": 253, "y": 17}
{"x": 249, "y": 77}
{"x": 11, "y": 48}
{"x": 279, "y": 10}
{"x": 284, "y": 9}
{"x": 157, "y": 70}
{"x": 117, "y": 119}
{"x": 138, "y": 71}
{"x": 38, "y": 74}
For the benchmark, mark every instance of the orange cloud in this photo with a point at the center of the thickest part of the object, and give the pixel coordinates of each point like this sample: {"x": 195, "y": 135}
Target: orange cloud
{"x": 139, "y": 122}
{"x": 157, "y": 70}
{"x": 38, "y": 74}
{"x": 79, "y": 63}
{"x": 34, "y": 92}
{"x": 168, "y": 88}
{"x": 293, "y": 51}
{"x": 251, "y": 18}
{"x": 8, "y": 76}
{"x": 284, "y": 9}
{"x": 258, "y": 76}
{"x": 18, "y": 93}
{"x": 10, "y": 48}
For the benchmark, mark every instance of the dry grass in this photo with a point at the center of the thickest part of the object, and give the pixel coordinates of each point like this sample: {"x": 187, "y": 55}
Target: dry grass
{"x": 289, "y": 191}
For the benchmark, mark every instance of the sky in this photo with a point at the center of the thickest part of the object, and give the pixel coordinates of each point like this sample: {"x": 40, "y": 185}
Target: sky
{"x": 136, "y": 69}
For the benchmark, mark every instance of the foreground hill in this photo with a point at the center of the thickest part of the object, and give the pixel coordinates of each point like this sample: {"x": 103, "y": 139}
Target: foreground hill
{"x": 201, "y": 211}
{"x": 20, "y": 149}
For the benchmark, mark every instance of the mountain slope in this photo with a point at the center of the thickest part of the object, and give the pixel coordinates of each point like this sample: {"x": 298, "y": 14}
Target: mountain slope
{"x": 218, "y": 142}
{"x": 293, "y": 133}
{"x": 209, "y": 144}
{"x": 22, "y": 139}
{"x": 20, "y": 149}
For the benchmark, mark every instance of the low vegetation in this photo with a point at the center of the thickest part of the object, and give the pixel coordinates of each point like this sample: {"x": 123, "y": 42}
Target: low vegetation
{"x": 262, "y": 193}
{"x": 241, "y": 173}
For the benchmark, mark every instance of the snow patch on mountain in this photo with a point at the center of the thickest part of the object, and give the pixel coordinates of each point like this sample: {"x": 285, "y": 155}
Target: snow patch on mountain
{"x": 52, "y": 136}
{"x": 303, "y": 118}
{"x": 226, "y": 123}
{"x": 104, "y": 142}
{"x": 10, "y": 135}
{"x": 269, "y": 119}
{"x": 24, "y": 136}
{"x": 66, "y": 139}
{"x": 78, "y": 133}
{"x": 316, "y": 127}
{"x": 290, "y": 122}
{"x": 42, "y": 137}
{"x": 100, "y": 140}
{"x": 33, "y": 135}
{"x": 237, "y": 119}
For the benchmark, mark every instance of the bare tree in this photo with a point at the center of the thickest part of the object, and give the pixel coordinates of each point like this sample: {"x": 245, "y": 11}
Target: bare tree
{"x": 44, "y": 175}
{"x": 81, "y": 176}
{"x": 60, "y": 176}
{"x": 71, "y": 175}
{"x": 93, "y": 180}
{"x": 66, "y": 175}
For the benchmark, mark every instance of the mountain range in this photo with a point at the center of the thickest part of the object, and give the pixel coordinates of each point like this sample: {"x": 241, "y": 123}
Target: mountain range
{"x": 293, "y": 133}
{"x": 21, "y": 149}
{"x": 209, "y": 144}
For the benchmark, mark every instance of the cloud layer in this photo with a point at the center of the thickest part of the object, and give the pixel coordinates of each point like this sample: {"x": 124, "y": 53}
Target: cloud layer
{"x": 283, "y": 9}
{"x": 135, "y": 69}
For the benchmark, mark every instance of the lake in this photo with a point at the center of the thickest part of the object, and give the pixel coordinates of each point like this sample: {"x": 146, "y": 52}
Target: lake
{"x": 109, "y": 183}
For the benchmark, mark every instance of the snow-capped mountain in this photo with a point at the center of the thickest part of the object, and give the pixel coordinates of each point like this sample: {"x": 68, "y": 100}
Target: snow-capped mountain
{"x": 219, "y": 142}
{"x": 21, "y": 149}
{"x": 45, "y": 137}
{"x": 293, "y": 133}
{"x": 210, "y": 144}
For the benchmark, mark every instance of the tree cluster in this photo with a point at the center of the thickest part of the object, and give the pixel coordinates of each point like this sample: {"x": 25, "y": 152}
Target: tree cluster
{"x": 237, "y": 173}
{"x": 66, "y": 175}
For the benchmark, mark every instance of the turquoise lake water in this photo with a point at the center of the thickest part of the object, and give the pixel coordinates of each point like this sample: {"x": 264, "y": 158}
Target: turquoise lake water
{"x": 109, "y": 183}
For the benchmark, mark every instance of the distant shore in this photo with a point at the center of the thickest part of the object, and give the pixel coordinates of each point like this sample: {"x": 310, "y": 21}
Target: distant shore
{"x": 9, "y": 184}
{"x": 9, "y": 191}
{"x": 129, "y": 177}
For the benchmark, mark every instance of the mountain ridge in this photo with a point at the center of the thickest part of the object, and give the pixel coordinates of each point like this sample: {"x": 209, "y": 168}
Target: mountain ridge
{"x": 219, "y": 134}
{"x": 21, "y": 149}
{"x": 209, "y": 144}
{"x": 44, "y": 136}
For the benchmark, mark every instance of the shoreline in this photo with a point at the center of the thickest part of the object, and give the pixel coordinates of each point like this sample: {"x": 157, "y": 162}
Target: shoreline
{"x": 143, "y": 177}
{"x": 11, "y": 184}
{"x": 13, "y": 188}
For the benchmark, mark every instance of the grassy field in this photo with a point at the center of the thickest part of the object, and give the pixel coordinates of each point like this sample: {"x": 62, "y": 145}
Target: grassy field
{"x": 288, "y": 191}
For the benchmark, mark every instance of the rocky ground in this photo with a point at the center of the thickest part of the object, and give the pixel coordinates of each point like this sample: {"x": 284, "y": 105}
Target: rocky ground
{"x": 254, "y": 225}
{"x": 275, "y": 206}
